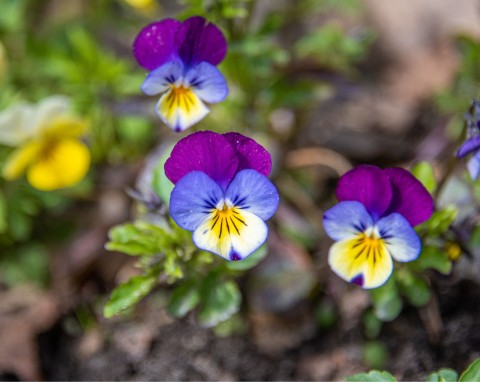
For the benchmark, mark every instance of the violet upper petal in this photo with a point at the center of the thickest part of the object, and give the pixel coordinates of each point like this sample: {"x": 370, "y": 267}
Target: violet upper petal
{"x": 367, "y": 185}
{"x": 470, "y": 145}
{"x": 250, "y": 154}
{"x": 155, "y": 44}
{"x": 198, "y": 40}
{"x": 204, "y": 151}
{"x": 409, "y": 197}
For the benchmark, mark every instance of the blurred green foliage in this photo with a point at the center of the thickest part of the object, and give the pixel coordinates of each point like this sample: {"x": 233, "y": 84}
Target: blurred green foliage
{"x": 472, "y": 373}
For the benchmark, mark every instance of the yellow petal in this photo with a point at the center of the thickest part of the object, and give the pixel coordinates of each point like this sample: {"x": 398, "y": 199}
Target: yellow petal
{"x": 231, "y": 233}
{"x": 180, "y": 108}
{"x": 65, "y": 165}
{"x": 20, "y": 159}
{"x": 140, "y": 4}
{"x": 65, "y": 127}
{"x": 363, "y": 260}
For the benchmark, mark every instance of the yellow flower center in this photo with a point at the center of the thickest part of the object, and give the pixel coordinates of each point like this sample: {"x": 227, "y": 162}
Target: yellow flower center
{"x": 226, "y": 220}
{"x": 180, "y": 97}
{"x": 368, "y": 246}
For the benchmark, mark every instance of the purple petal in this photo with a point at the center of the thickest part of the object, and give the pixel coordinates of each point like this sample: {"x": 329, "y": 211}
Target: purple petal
{"x": 250, "y": 154}
{"x": 367, "y": 185}
{"x": 253, "y": 192}
{"x": 470, "y": 145}
{"x": 207, "y": 82}
{"x": 203, "y": 151}
{"x": 473, "y": 166}
{"x": 197, "y": 41}
{"x": 193, "y": 199}
{"x": 155, "y": 44}
{"x": 409, "y": 197}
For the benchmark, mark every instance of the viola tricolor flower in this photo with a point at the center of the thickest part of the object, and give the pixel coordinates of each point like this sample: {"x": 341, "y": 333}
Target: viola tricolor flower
{"x": 182, "y": 59}
{"x": 472, "y": 144}
{"x": 221, "y": 192}
{"x": 373, "y": 223}
{"x": 48, "y": 146}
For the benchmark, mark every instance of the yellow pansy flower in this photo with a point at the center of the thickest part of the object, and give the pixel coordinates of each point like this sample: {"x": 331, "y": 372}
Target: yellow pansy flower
{"x": 141, "y": 4}
{"x": 49, "y": 150}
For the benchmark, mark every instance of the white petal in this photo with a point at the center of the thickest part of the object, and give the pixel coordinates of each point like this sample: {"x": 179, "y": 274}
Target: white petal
{"x": 233, "y": 235}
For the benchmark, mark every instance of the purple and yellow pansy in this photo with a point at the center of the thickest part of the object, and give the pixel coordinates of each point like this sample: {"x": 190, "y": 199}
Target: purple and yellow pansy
{"x": 222, "y": 192}
{"x": 373, "y": 223}
{"x": 182, "y": 58}
{"x": 472, "y": 144}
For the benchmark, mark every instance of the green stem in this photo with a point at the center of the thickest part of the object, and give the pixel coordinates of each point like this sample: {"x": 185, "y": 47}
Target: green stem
{"x": 452, "y": 164}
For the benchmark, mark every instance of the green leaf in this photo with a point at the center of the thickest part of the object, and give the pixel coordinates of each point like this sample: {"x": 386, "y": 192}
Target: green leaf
{"x": 183, "y": 299}
{"x": 387, "y": 304}
{"x": 3, "y": 213}
{"x": 443, "y": 375}
{"x": 19, "y": 224}
{"x": 414, "y": 288}
{"x": 128, "y": 294}
{"x": 28, "y": 263}
{"x": 83, "y": 43}
{"x": 326, "y": 316}
{"x": 372, "y": 324}
{"x": 423, "y": 171}
{"x": 234, "y": 325}
{"x": 220, "y": 300}
{"x": 375, "y": 354}
{"x": 12, "y": 16}
{"x": 171, "y": 267}
{"x": 249, "y": 262}
{"x": 440, "y": 221}
{"x": 432, "y": 258}
{"x": 372, "y": 376}
{"x": 160, "y": 183}
{"x": 138, "y": 239}
{"x": 472, "y": 373}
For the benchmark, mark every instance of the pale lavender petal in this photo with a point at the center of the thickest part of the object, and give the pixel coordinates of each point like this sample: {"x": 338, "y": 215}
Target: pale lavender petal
{"x": 207, "y": 82}
{"x": 250, "y": 154}
{"x": 253, "y": 192}
{"x": 197, "y": 41}
{"x": 203, "y": 151}
{"x": 155, "y": 44}
{"x": 367, "y": 185}
{"x": 194, "y": 197}
{"x": 160, "y": 79}
{"x": 346, "y": 220}
{"x": 473, "y": 166}
{"x": 400, "y": 238}
{"x": 470, "y": 145}
{"x": 409, "y": 197}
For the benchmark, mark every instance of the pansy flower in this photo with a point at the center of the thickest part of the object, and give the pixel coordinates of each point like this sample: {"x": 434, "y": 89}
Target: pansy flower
{"x": 221, "y": 192}
{"x": 182, "y": 59}
{"x": 47, "y": 144}
{"x": 373, "y": 223}
{"x": 472, "y": 144}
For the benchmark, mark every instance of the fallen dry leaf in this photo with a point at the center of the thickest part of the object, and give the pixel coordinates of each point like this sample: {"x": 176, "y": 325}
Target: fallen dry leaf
{"x": 25, "y": 311}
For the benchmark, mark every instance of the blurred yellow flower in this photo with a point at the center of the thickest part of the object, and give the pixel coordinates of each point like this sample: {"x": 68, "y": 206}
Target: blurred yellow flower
{"x": 47, "y": 137}
{"x": 141, "y": 4}
{"x": 453, "y": 250}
